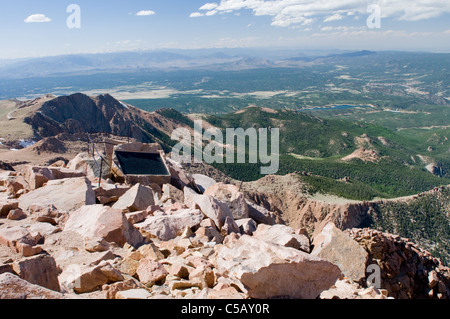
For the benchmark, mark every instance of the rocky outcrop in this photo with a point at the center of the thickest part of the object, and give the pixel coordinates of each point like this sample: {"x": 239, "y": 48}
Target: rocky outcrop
{"x": 406, "y": 271}
{"x": 79, "y": 113}
{"x": 283, "y": 196}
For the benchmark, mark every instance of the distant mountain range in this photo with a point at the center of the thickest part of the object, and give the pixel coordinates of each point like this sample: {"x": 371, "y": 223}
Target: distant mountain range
{"x": 158, "y": 60}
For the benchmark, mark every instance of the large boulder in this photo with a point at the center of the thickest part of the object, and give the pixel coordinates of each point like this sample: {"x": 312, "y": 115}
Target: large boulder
{"x": 266, "y": 270}
{"x": 13, "y": 287}
{"x": 231, "y": 195}
{"x": 138, "y": 198}
{"x": 207, "y": 234}
{"x": 7, "y": 206}
{"x": 171, "y": 194}
{"x": 20, "y": 240}
{"x": 37, "y": 176}
{"x": 83, "y": 279}
{"x": 334, "y": 245}
{"x": 108, "y": 193}
{"x": 39, "y": 270}
{"x": 6, "y": 175}
{"x": 89, "y": 165}
{"x": 167, "y": 227}
{"x": 203, "y": 182}
{"x": 260, "y": 214}
{"x": 282, "y": 235}
{"x": 104, "y": 222}
{"x": 213, "y": 208}
{"x": 247, "y": 226}
{"x": 150, "y": 272}
{"x": 65, "y": 194}
{"x": 178, "y": 176}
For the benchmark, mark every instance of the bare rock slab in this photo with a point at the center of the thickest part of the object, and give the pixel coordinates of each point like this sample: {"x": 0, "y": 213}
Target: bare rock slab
{"x": 98, "y": 221}
{"x": 65, "y": 194}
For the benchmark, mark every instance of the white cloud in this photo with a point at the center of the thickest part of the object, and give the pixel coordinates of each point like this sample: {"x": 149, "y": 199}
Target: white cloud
{"x": 334, "y": 17}
{"x": 196, "y": 15}
{"x": 342, "y": 29}
{"x": 145, "y": 13}
{"x": 211, "y": 13}
{"x": 326, "y": 29}
{"x": 209, "y": 6}
{"x": 287, "y": 12}
{"x": 37, "y": 18}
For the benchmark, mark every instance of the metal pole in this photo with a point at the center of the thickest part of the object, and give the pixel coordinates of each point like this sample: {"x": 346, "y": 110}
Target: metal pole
{"x": 101, "y": 172}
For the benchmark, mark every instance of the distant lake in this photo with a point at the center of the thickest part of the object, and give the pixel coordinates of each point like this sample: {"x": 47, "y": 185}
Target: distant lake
{"x": 334, "y": 107}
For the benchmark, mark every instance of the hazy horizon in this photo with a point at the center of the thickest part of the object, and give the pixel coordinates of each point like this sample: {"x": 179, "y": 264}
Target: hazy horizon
{"x": 288, "y": 52}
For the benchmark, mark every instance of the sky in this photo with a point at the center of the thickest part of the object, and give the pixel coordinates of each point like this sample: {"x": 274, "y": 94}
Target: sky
{"x": 37, "y": 28}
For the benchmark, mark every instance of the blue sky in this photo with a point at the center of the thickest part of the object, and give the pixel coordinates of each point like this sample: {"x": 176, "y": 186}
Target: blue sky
{"x": 108, "y": 26}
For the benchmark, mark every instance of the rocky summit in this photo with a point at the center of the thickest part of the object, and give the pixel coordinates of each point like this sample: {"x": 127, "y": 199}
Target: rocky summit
{"x": 65, "y": 234}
